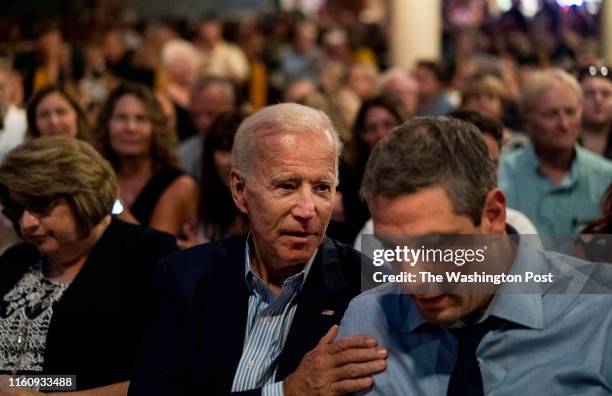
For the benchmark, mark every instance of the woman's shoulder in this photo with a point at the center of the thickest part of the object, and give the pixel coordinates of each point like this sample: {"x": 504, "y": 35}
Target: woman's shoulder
{"x": 14, "y": 262}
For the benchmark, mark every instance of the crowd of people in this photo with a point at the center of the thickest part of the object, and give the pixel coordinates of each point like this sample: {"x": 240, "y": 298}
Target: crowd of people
{"x": 180, "y": 199}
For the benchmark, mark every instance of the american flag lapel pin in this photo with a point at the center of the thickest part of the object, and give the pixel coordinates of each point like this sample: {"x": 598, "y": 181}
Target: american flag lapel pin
{"x": 328, "y": 312}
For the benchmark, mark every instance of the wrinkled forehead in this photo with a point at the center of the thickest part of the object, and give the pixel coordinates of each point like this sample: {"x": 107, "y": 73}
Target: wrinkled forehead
{"x": 276, "y": 137}
{"x": 274, "y": 146}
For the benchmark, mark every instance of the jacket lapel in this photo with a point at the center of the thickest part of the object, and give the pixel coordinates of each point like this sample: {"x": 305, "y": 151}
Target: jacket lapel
{"x": 226, "y": 312}
{"x": 319, "y": 307}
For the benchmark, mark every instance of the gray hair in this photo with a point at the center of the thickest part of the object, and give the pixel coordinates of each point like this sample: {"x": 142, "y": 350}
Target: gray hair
{"x": 284, "y": 118}
{"x": 542, "y": 80}
{"x": 429, "y": 151}
{"x": 227, "y": 86}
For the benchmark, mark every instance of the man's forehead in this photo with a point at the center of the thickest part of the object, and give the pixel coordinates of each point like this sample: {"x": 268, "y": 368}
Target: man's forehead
{"x": 316, "y": 142}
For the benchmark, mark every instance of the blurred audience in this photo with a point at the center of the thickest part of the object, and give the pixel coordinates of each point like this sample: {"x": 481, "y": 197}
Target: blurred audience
{"x": 375, "y": 119}
{"x": 181, "y": 63}
{"x": 554, "y": 181}
{"x": 218, "y": 216}
{"x": 220, "y": 58}
{"x": 13, "y": 122}
{"x": 434, "y": 99}
{"x": 210, "y": 97}
{"x": 401, "y": 88}
{"x": 596, "y": 134}
{"x": 487, "y": 95}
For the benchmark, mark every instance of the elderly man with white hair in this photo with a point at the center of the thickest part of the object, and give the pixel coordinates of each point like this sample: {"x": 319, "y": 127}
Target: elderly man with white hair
{"x": 553, "y": 180}
{"x": 258, "y": 314}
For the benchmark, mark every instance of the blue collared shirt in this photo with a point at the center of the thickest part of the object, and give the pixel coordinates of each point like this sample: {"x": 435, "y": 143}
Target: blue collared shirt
{"x": 548, "y": 344}
{"x": 560, "y": 209}
{"x": 268, "y": 322}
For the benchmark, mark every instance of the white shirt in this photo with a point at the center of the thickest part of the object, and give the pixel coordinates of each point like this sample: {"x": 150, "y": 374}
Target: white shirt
{"x": 13, "y": 133}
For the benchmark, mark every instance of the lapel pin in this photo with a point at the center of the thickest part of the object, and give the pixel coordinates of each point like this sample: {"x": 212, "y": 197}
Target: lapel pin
{"x": 328, "y": 312}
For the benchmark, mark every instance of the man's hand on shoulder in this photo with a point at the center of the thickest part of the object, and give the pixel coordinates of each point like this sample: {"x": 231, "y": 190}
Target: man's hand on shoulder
{"x": 336, "y": 367}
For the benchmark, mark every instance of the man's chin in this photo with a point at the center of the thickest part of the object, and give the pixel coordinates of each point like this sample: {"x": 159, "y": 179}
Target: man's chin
{"x": 437, "y": 309}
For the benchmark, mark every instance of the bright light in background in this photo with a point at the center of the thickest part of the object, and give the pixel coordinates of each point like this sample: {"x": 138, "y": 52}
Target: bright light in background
{"x": 504, "y": 5}
{"x": 569, "y": 3}
{"x": 530, "y": 7}
{"x": 592, "y": 6}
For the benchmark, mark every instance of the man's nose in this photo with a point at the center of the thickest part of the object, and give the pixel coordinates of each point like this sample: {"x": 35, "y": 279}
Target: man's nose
{"x": 304, "y": 207}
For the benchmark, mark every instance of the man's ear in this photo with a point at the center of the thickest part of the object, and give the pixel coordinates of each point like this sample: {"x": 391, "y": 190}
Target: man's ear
{"x": 494, "y": 212}
{"x": 238, "y": 187}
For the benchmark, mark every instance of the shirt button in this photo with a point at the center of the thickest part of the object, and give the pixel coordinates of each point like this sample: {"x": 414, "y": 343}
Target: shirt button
{"x": 480, "y": 362}
{"x": 267, "y": 318}
{"x": 250, "y": 364}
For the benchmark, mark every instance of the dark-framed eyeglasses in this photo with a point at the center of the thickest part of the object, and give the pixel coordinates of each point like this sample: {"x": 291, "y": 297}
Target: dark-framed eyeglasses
{"x": 36, "y": 206}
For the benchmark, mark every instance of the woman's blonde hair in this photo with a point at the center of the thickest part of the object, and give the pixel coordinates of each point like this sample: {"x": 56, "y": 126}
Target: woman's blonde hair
{"x": 56, "y": 166}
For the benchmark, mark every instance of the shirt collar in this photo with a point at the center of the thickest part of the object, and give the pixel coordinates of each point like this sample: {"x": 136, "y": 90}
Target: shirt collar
{"x": 572, "y": 176}
{"x": 523, "y": 309}
{"x": 249, "y": 274}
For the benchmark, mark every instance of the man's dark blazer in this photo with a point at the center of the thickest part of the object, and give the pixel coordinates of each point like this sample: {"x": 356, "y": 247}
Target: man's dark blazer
{"x": 196, "y": 338}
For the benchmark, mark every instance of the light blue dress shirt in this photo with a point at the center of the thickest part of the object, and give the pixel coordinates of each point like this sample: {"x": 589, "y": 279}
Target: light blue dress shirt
{"x": 555, "y": 209}
{"x": 548, "y": 344}
{"x": 268, "y": 322}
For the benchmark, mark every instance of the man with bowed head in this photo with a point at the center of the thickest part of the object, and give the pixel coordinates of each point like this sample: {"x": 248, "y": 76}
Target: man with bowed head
{"x": 258, "y": 314}
{"x": 433, "y": 176}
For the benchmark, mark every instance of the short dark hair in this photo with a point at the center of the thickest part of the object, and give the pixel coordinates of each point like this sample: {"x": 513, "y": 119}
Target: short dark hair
{"x": 442, "y": 72}
{"x": 487, "y": 125}
{"x": 429, "y": 151}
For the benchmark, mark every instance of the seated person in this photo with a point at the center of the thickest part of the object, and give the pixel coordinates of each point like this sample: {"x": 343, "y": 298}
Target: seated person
{"x": 135, "y": 139}
{"x": 73, "y": 298}
{"x": 433, "y": 177}
{"x": 52, "y": 111}
{"x": 259, "y": 313}
{"x": 555, "y": 182}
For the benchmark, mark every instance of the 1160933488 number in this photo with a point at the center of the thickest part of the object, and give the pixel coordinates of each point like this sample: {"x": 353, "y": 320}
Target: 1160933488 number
{"x": 43, "y": 382}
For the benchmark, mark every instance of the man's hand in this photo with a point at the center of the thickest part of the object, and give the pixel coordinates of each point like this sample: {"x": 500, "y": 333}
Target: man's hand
{"x": 337, "y": 367}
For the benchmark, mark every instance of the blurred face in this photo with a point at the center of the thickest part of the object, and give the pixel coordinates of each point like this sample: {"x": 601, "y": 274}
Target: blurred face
{"x": 362, "y": 81}
{"x": 210, "y": 33}
{"x": 56, "y": 116}
{"x": 131, "y": 128}
{"x": 183, "y": 68}
{"x": 289, "y": 197}
{"x": 597, "y": 102}
{"x": 485, "y": 103}
{"x": 430, "y": 211}
{"x": 554, "y": 121}
{"x": 378, "y": 123}
{"x": 51, "y": 228}
{"x": 405, "y": 91}
{"x": 207, "y": 104}
{"x": 429, "y": 86}
{"x": 223, "y": 165}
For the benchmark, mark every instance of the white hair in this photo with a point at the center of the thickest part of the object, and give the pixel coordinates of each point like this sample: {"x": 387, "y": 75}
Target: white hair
{"x": 389, "y": 78}
{"x": 284, "y": 118}
{"x": 179, "y": 47}
{"x": 539, "y": 81}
